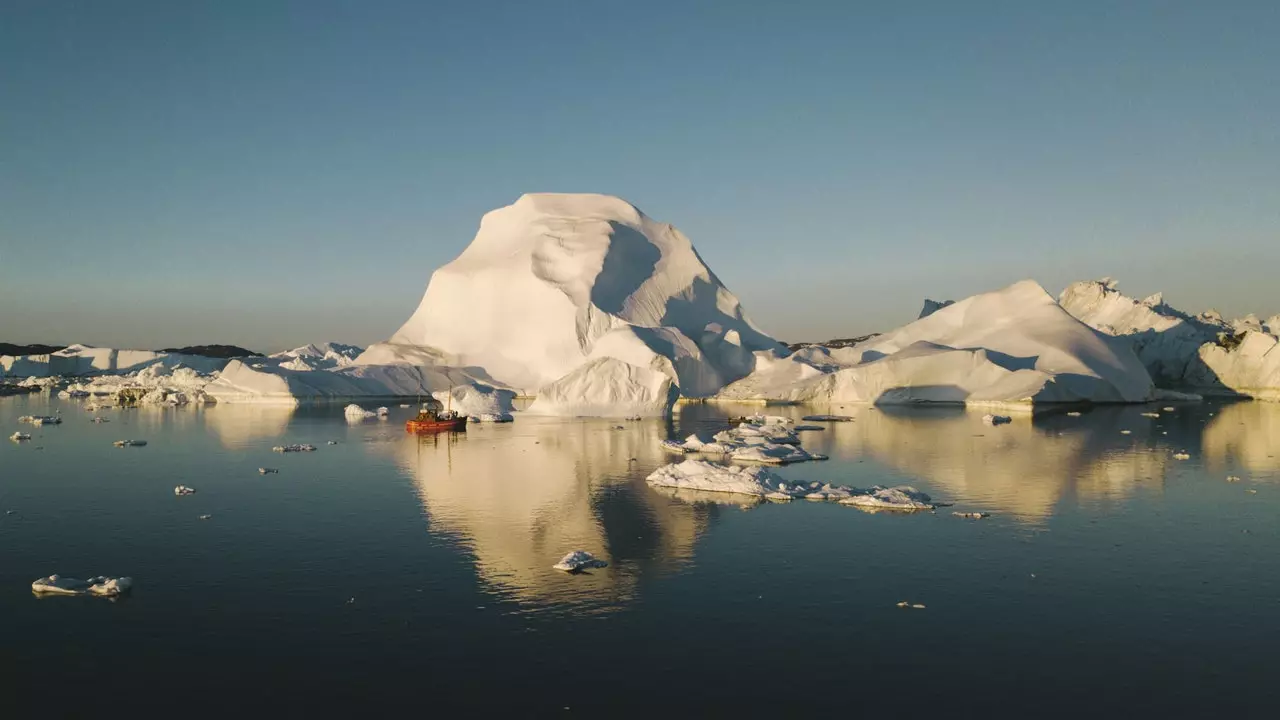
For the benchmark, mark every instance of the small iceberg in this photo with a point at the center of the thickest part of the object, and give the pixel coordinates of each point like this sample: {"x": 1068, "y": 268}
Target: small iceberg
{"x": 972, "y": 515}
{"x": 355, "y": 413}
{"x": 20, "y": 436}
{"x": 100, "y": 420}
{"x": 579, "y": 560}
{"x": 100, "y": 586}
{"x": 41, "y": 419}
{"x": 383, "y": 412}
{"x": 184, "y": 490}
{"x": 268, "y": 471}
{"x": 994, "y": 420}
{"x": 205, "y": 517}
{"x": 130, "y": 443}
{"x": 902, "y": 498}
{"x": 1181, "y": 456}
{"x": 294, "y": 448}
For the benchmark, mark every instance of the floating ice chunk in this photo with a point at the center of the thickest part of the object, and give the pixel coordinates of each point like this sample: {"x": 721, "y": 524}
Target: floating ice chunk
{"x": 759, "y": 419}
{"x": 579, "y": 560}
{"x": 184, "y": 490}
{"x": 903, "y": 497}
{"x": 1126, "y": 432}
{"x": 1233, "y": 478}
{"x": 20, "y": 436}
{"x": 1181, "y": 456}
{"x": 130, "y": 443}
{"x": 972, "y": 515}
{"x": 774, "y": 454}
{"x": 712, "y": 477}
{"x": 205, "y": 517}
{"x": 674, "y": 446}
{"x": 268, "y": 471}
{"x": 915, "y": 606}
{"x": 294, "y": 448}
{"x": 383, "y": 412}
{"x": 827, "y": 418}
{"x": 355, "y": 413}
{"x": 1074, "y": 413}
{"x": 1167, "y": 409}
{"x": 490, "y": 418}
{"x": 403, "y": 407}
{"x": 101, "y": 586}
{"x": 1151, "y": 414}
{"x": 332, "y": 442}
{"x": 58, "y": 585}
{"x": 110, "y": 587}
{"x": 996, "y": 419}
{"x": 100, "y": 420}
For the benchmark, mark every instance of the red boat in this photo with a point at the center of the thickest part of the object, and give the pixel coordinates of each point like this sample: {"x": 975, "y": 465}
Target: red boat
{"x": 430, "y": 420}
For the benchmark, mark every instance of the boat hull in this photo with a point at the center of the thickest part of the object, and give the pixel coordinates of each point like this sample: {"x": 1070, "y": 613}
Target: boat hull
{"x": 434, "y": 426}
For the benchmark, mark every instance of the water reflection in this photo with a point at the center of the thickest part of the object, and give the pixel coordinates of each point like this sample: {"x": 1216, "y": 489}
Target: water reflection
{"x": 239, "y": 425}
{"x": 520, "y": 496}
{"x": 1244, "y": 436}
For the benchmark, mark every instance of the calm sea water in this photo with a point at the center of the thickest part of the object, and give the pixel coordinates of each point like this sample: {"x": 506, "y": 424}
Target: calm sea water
{"x": 391, "y": 573}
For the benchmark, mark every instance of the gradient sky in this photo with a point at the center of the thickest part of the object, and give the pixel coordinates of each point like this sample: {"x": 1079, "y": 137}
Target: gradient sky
{"x": 273, "y": 173}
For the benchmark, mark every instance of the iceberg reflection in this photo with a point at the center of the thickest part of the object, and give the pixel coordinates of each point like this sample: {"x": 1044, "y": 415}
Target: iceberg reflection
{"x": 520, "y": 496}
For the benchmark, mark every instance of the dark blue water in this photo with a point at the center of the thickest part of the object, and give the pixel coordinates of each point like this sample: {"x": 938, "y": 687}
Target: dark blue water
{"x": 388, "y": 573}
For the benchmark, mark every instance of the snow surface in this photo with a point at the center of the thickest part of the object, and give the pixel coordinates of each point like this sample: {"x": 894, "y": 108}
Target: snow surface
{"x": 558, "y": 287}
{"x": 1014, "y": 346}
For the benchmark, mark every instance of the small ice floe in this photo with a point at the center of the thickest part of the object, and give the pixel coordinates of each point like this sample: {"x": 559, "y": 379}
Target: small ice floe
{"x": 294, "y": 448}
{"x": 712, "y": 477}
{"x": 903, "y": 498}
{"x": 1182, "y": 455}
{"x": 996, "y": 419}
{"x": 1126, "y": 432}
{"x": 577, "y": 561}
{"x": 40, "y": 419}
{"x": 130, "y": 443}
{"x": 184, "y": 490}
{"x": 759, "y": 419}
{"x": 102, "y": 586}
{"x": 355, "y": 413}
{"x": 916, "y": 606}
{"x": 1151, "y": 414}
{"x": 774, "y": 454}
{"x": 268, "y": 471}
{"x": 100, "y": 420}
{"x": 205, "y": 517}
{"x": 332, "y": 442}
{"x": 20, "y": 436}
{"x": 972, "y": 515}
{"x": 827, "y": 418}
{"x": 1233, "y": 478}
{"x": 1167, "y": 409}
{"x": 383, "y": 412}
{"x": 1074, "y": 413}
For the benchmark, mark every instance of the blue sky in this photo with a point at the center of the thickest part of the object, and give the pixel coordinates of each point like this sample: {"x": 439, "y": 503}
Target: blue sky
{"x": 272, "y": 173}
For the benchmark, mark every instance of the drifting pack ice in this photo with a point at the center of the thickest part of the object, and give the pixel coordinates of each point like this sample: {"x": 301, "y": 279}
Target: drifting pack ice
{"x": 1014, "y": 346}
{"x": 1203, "y": 353}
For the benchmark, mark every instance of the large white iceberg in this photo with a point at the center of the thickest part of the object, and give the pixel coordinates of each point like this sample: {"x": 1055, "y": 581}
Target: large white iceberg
{"x": 87, "y": 360}
{"x": 1202, "y": 352}
{"x": 1010, "y": 346}
{"x": 318, "y": 356}
{"x": 586, "y": 302}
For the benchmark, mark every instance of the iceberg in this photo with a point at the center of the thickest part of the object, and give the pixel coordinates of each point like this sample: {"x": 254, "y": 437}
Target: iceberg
{"x": 1014, "y": 346}
{"x": 100, "y": 586}
{"x": 322, "y": 356}
{"x": 294, "y": 448}
{"x": 587, "y": 303}
{"x": 87, "y": 360}
{"x": 1202, "y": 352}
{"x": 577, "y": 561}
{"x": 356, "y": 413}
{"x": 711, "y": 477}
{"x": 903, "y": 498}
{"x": 184, "y": 490}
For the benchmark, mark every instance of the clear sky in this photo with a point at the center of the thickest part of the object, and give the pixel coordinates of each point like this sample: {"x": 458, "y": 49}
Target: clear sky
{"x": 272, "y": 173}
